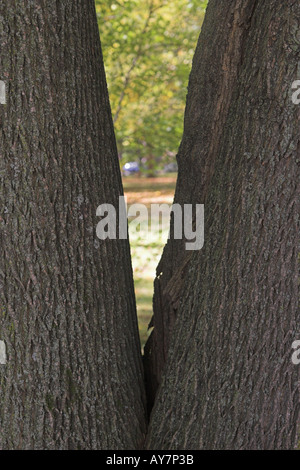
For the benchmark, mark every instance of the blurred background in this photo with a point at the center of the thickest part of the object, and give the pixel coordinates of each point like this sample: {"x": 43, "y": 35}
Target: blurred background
{"x": 148, "y": 47}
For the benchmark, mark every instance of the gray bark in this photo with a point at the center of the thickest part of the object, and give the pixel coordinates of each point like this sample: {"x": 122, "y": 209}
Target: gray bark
{"x": 73, "y": 377}
{"x": 225, "y": 317}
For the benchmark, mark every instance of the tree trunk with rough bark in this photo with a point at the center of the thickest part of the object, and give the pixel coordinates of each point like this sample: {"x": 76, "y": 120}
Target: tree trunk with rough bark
{"x": 73, "y": 375}
{"x": 225, "y": 317}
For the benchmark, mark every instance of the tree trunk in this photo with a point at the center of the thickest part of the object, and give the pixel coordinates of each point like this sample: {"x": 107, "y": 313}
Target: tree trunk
{"x": 73, "y": 376}
{"x": 226, "y": 316}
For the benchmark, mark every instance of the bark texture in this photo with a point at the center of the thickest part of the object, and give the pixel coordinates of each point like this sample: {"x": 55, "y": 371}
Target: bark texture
{"x": 73, "y": 378}
{"x": 227, "y": 316}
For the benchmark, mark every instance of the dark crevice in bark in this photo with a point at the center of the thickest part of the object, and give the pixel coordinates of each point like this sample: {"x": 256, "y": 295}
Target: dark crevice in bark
{"x": 247, "y": 26}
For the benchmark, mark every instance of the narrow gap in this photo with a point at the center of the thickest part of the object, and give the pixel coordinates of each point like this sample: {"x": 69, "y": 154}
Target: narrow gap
{"x": 148, "y": 238}
{"x": 148, "y": 51}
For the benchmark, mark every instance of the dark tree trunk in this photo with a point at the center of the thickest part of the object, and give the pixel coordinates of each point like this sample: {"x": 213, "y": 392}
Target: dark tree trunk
{"x": 73, "y": 377}
{"x": 227, "y": 315}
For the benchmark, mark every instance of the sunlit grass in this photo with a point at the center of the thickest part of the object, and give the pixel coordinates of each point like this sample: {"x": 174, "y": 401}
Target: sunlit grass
{"x": 146, "y": 250}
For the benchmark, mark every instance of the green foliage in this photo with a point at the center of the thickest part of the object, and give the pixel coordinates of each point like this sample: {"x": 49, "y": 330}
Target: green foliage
{"x": 148, "y": 46}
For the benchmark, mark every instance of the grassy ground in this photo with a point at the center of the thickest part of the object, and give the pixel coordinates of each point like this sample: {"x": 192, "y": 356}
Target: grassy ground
{"x": 146, "y": 248}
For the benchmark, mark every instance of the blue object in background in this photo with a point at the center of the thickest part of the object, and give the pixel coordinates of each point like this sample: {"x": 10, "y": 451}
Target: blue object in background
{"x": 131, "y": 168}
